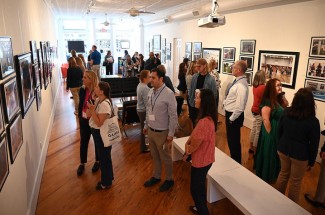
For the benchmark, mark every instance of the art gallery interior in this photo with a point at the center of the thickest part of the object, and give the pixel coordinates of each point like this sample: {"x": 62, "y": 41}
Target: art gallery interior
{"x": 276, "y": 26}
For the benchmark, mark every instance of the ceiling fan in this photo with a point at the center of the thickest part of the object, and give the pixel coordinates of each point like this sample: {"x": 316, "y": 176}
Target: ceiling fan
{"x": 135, "y": 12}
{"x": 106, "y": 23}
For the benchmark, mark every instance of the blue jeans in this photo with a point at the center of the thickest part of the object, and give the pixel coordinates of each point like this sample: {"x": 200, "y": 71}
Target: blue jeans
{"x": 106, "y": 166}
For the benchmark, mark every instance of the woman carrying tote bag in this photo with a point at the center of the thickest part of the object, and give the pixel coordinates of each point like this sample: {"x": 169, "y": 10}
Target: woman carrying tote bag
{"x": 98, "y": 113}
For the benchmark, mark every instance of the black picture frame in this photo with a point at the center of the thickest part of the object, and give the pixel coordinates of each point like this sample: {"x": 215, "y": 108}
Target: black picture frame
{"x": 2, "y": 119}
{"x": 25, "y": 84}
{"x": 38, "y": 94}
{"x": 227, "y": 67}
{"x": 36, "y": 76}
{"x": 317, "y": 47}
{"x": 157, "y": 42}
{"x": 280, "y": 64}
{"x": 163, "y": 57}
{"x": 249, "y": 60}
{"x": 4, "y": 164}
{"x": 33, "y": 49}
{"x": 249, "y": 77}
{"x": 15, "y": 137}
{"x": 41, "y": 69}
{"x": 229, "y": 53}
{"x": 10, "y": 98}
{"x": 247, "y": 47}
{"x": 319, "y": 92}
{"x": 6, "y": 57}
{"x": 316, "y": 68}
{"x": 213, "y": 53}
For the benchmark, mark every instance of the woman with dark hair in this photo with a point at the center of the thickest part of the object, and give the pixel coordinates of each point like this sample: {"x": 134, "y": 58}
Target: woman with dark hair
{"x": 201, "y": 147}
{"x": 298, "y": 139}
{"x": 141, "y": 62}
{"x": 98, "y": 113}
{"x": 181, "y": 77}
{"x": 267, "y": 164}
{"x": 142, "y": 97}
{"x": 74, "y": 81}
{"x": 86, "y": 93}
{"x": 258, "y": 90}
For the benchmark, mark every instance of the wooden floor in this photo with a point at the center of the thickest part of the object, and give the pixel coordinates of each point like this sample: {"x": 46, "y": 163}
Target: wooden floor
{"x": 63, "y": 192}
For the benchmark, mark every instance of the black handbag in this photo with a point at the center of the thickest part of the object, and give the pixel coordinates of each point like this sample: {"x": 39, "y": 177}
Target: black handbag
{"x": 105, "y": 63}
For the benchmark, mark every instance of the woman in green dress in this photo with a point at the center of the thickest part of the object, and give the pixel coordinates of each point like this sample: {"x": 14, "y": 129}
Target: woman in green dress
{"x": 267, "y": 163}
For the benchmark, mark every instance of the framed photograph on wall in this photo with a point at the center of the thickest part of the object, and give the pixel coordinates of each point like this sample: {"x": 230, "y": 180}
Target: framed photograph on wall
{"x": 197, "y": 47}
{"x": 125, "y": 44}
{"x": 157, "y": 42}
{"x": 227, "y": 67}
{"x": 249, "y": 77}
{"x": 10, "y": 99}
{"x": 2, "y": 120}
{"x": 33, "y": 49}
{"x": 249, "y": 60}
{"x": 36, "y": 76}
{"x": 319, "y": 89}
{"x": 188, "y": 47}
{"x": 247, "y": 47}
{"x": 229, "y": 53}
{"x": 6, "y": 57}
{"x": 316, "y": 68}
{"x": 4, "y": 164}
{"x": 163, "y": 50}
{"x": 169, "y": 51}
{"x": 15, "y": 137}
{"x": 38, "y": 94}
{"x": 317, "y": 47}
{"x": 26, "y": 90}
{"x": 213, "y": 53}
{"x": 280, "y": 65}
{"x": 188, "y": 55}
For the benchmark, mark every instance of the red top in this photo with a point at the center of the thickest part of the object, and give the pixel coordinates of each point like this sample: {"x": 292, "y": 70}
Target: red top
{"x": 204, "y": 153}
{"x": 258, "y": 95}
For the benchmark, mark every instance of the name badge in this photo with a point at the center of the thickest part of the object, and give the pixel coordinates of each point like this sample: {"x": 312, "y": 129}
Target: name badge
{"x": 84, "y": 115}
{"x": 151, "y": 117}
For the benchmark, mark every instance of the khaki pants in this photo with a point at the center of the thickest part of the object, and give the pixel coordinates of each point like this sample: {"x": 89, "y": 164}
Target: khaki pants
{"x": 160, "y": 154}
{"x": 96, "y": 69}
{"x": 293, "y": 170}
{"x": 255, "y": 132}
{"x": 320, "y": 192}
{"x": 75, "y": 94}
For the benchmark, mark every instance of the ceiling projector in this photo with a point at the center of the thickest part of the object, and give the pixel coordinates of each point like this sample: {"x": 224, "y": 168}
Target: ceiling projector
{"x": 211, "y": 21}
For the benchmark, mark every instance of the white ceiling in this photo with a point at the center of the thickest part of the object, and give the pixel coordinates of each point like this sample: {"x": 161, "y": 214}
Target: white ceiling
{"x": 173, "y": 9}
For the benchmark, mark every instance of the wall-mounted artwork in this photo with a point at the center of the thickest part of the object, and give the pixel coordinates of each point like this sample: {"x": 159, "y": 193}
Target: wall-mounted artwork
{"x": 247, "y": 47}
{"x": 213, "y": 53}
{"x": 15, "y": 137}
{"x": 318, "y": 89}
{"x": 316, "y": 68}
{"x": 280, "y": 65}
{"x": 43, "y": 49}
{"x": 317, "y": 47}
{"x": 229, "y": 53}
{"x": 6, "y": 57}
{"x": 163, "y": 50}
{"x": 249, "y": 60}
{"x": 25, "y": 81}
{"x": 125, "y": 44}
{"x": 227, "y": 67}
{"x": 4, "y": 164}
{"x": 38, "y": 94}
{"x": 10, "y": 99}
{"x": 157, "y": 42}
{"x": 36, "y": 76}
{"x": 196, "y": 51}
{"x": 33, "y": 49}
{"x": 2, "y": 123}
{"x": 249, "y": 77}
{"x": 188, "y": 47}
{"x": 169, "y": 51}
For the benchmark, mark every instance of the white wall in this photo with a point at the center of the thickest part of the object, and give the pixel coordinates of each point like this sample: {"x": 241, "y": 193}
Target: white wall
{"x": 26, "y": 20}
{"x": 281, "y": 28}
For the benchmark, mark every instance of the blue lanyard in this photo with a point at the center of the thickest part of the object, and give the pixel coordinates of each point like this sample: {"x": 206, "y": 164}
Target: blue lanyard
{"x": 154, "y": 103}
{"x": 233, "y": 83}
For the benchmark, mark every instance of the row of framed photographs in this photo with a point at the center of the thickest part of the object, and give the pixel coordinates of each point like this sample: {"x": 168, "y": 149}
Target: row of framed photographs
{"x": 12, "y": 137}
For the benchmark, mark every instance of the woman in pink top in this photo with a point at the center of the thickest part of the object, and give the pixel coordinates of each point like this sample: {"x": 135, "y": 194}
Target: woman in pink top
{"x": 258, "y": 91}
{"x": 201, "y": 146}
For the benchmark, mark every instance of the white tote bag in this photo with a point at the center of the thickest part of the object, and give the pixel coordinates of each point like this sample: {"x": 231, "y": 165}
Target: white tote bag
{"x": 110, "y": 130}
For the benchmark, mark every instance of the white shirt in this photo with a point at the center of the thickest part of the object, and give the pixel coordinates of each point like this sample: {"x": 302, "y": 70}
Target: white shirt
{"x": 102, "y": 107}
{"x": 236, "y": 99}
